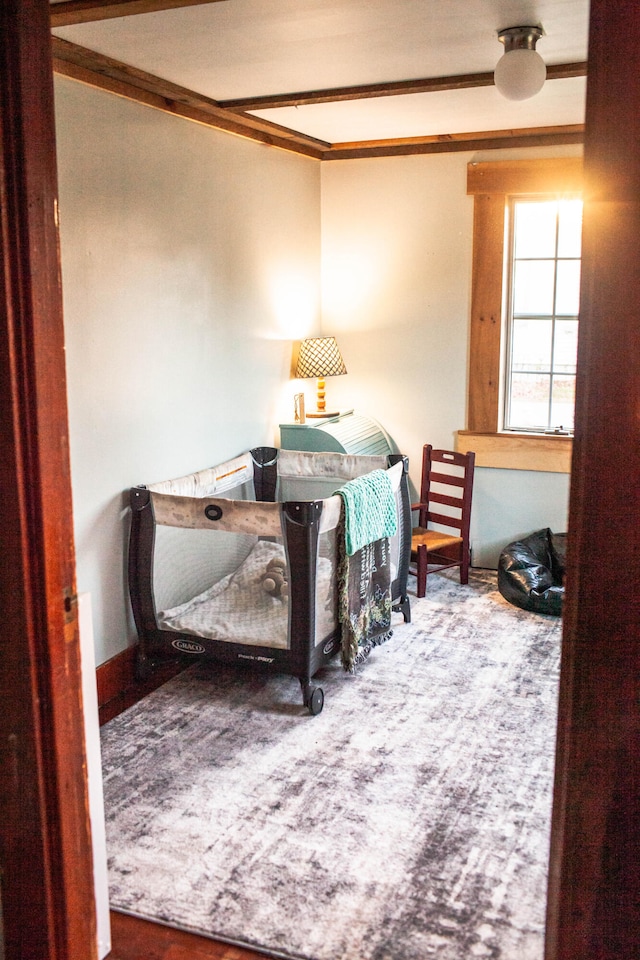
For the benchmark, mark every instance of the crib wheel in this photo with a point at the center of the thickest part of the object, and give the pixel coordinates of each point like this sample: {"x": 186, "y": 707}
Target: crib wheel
{"x": 316, "y": 701}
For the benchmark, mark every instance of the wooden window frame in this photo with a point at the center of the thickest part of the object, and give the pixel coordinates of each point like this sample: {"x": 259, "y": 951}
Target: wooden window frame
{"x": 491, "y": 184}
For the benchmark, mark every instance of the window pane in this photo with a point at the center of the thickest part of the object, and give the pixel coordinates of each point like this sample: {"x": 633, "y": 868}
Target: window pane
{"x": 531, "y": 345}
{"x": 529, "y": 401}
{"x": 563, "y": 403}
{"x": 568, "y": 288}
{"x": 535, "y": 229}
{"x": 566, "y": 346}
{"x": 544, "y": 300}
{"x": 570, "y": 228}
{"x": 533, "y": 287}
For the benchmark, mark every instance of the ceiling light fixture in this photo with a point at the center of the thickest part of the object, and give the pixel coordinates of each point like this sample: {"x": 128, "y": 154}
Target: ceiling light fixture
{"x": 520, "y": 72}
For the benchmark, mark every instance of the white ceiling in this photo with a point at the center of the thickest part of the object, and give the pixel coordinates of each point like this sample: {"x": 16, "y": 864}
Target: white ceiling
{"x": 247, "y": 48}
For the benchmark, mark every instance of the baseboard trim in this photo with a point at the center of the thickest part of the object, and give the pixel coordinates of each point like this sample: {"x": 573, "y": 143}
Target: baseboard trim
{"x": 118, "y": 688}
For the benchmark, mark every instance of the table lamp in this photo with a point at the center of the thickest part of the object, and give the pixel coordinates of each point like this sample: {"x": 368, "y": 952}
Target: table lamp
{"x": 320, "y": 357}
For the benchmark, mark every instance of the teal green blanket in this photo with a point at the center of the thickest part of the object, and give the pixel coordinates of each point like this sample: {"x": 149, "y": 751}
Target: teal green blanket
{"x": 369, "y": 510}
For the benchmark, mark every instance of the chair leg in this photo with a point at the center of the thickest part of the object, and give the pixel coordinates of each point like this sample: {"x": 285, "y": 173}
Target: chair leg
{"x": 464, "y": 567}
{"x": 421, "y": 571}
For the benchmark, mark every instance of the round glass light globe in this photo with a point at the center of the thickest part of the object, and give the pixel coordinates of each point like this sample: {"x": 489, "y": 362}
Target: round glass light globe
{"x": 520, "y": 74}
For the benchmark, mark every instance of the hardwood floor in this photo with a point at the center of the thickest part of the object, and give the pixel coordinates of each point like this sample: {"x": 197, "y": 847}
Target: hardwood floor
{"x": 134, "y": 939}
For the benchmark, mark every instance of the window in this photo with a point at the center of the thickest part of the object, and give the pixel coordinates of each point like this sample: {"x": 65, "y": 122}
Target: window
{"x": 543, "y": 295}
{"x": 495, "y": 380}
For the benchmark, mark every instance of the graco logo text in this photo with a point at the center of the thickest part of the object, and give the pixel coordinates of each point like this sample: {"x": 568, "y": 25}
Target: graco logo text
{"x": 187, "y": 646}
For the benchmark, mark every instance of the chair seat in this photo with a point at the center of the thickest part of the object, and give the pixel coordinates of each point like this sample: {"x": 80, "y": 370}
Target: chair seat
{"x": 432, "y": 539}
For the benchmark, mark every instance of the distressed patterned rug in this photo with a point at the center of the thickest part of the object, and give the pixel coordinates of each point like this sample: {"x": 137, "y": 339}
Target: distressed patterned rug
{"x": 409, "y": 820}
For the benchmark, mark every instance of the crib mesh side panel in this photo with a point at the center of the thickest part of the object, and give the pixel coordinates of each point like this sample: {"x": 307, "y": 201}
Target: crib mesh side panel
{"x": 396, "y": 543}
{"x": 228, "y": 601}
{"x": 306, "y": 488}
{"x": 326, "y": 586}
{"x": 187, "y": 562}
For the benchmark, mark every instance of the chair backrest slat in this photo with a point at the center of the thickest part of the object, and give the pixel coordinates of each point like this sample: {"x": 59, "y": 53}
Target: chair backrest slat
{"x": 455, "y": 523}
{"x": 448, "y": 478}
{"x": 449, "y": 501}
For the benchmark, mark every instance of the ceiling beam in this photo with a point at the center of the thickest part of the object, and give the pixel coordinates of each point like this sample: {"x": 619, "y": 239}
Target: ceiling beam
{"x": 68, "y": 12}
{"x": 557, "y": 71}
{"x": 457, "y": 142}
{"x": 96, "y": 70}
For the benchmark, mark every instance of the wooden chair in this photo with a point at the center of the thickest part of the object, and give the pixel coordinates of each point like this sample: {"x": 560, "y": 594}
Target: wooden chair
{"x": 447, "y": 479}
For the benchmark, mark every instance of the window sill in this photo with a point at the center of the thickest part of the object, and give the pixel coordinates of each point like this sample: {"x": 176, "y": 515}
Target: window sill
{"x": 518, "y": 451}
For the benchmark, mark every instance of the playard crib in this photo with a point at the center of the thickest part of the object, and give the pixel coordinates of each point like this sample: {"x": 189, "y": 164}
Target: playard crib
{"x": 240, "y": 562}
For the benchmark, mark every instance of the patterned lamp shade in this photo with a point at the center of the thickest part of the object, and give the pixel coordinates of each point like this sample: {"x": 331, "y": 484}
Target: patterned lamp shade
{"x": 320, "y": 357}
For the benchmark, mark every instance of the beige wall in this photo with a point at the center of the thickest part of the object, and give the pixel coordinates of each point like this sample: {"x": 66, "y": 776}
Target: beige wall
{"x": 396, "y": 261}
{"x": 396, "y": 287}
{"x": 190, "y": 260}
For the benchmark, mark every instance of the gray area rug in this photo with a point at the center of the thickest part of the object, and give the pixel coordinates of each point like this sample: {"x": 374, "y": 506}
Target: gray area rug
{"x": 409, "y": 820}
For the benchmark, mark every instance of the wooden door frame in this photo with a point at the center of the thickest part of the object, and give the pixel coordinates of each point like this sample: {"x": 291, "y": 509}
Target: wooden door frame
{"x": 45, "y": 850}
{"x": 594, "y": 879}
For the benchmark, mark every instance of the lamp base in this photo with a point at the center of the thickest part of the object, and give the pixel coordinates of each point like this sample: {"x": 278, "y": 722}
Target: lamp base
{"x": 323, "y": 414}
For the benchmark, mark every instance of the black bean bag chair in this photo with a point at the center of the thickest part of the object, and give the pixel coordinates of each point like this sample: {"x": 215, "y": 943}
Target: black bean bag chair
{"x": 531, "y": 572}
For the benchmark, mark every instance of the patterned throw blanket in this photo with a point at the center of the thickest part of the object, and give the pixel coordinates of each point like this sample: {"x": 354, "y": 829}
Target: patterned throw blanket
{"x": 364, "y": 572}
